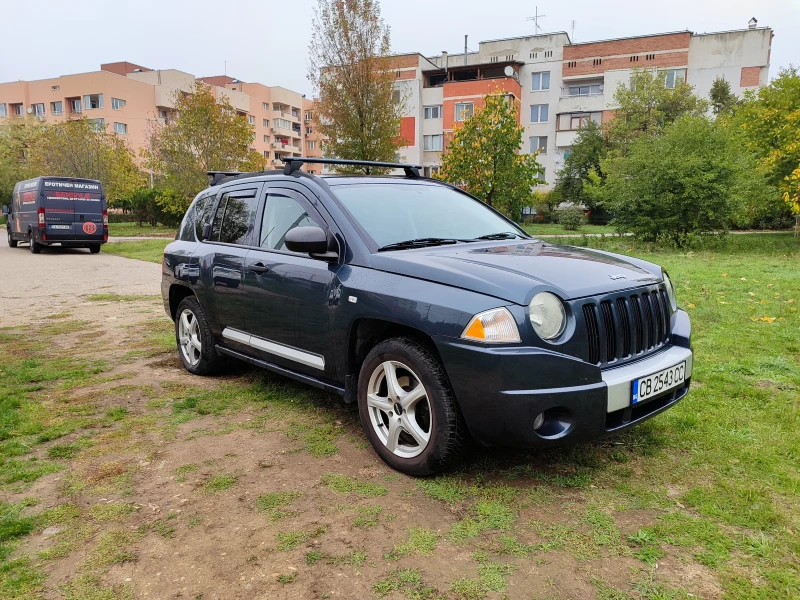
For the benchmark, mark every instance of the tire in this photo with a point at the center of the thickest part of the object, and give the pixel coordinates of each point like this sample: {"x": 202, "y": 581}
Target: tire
{"x": 94, "y": 248}
{"x": 206, "y": 361}
{"x": 35, "y": 247}
{"x": 446, "y": 431}
{"x": 11, "y": 241}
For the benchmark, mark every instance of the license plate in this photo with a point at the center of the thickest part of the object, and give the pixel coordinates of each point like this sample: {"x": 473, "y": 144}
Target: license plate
{"x": 60, "y": 227}
{"x": 657, "y": 383}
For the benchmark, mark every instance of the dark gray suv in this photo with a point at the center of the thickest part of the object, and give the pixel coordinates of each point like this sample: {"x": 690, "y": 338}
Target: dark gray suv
{"x": 440, "y": 317}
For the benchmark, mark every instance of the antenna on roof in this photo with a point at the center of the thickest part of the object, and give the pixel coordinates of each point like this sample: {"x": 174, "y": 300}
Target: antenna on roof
{"x": 572, "y": 35}
{"x": 535, "y": 19}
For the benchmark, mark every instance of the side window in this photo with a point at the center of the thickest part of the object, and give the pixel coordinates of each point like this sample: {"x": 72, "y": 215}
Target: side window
{"x": 234, "y": 219}
{"x": 202, "y": 214}
{"x": 281, "y": 215}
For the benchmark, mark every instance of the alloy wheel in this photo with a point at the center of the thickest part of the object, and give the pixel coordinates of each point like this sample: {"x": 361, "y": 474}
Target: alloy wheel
{"x": 399, "y": 409}
{"x": 189, "y": 337}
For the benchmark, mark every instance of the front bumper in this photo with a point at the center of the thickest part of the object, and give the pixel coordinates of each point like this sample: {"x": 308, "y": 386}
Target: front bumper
{"x": 501, "y": 391}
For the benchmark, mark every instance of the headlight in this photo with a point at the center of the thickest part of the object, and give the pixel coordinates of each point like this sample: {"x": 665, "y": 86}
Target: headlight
{"x": 493, "y": 326}
{"x": 547, "y": 315}
{"x": 670, "y": 291}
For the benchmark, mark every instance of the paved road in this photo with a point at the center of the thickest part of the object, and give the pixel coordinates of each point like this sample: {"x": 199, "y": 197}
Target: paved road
{"x": 35, "y": 285}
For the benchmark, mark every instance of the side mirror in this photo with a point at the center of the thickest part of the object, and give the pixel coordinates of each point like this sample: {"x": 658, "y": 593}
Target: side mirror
{"x": 311, "y": 240}
{"x": 5, "y": 210}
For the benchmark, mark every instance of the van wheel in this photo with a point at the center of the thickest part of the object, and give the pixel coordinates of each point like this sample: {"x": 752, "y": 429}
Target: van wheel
{"x": 194, "y": 338}
{"x": 408, "y": 408}
{"x": 11, "y": 241}
{"x": 35, "y": 247}
{"x": 94, "y": 248}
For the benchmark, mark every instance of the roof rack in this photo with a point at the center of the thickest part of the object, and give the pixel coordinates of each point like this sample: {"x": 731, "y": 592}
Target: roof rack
{"x": 292, "y": 164}
{"x": 218, "y": 176}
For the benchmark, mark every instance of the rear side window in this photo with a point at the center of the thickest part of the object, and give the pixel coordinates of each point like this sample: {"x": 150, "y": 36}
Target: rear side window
{"x": 234, "y": 219}
{"x": 202, "y": 214}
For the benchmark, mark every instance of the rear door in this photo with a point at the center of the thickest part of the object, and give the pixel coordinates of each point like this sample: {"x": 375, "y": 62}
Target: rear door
{"x": 73, "y": 209}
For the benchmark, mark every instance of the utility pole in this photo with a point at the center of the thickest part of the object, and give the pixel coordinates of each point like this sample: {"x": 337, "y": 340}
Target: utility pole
{"x": 535, "y": 19}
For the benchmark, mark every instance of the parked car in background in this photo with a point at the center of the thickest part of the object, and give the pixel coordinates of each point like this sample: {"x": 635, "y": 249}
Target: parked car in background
{"x": 441, "y": 318}
{"x": 57, "y": 210}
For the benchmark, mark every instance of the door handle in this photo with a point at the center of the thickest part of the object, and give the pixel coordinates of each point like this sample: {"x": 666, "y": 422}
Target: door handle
{"x": 258, "y": 268}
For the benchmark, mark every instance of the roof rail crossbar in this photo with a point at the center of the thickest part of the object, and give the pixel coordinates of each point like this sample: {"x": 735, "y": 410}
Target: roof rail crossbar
{"x": 217, "y": 176}
{"x": 293, "y": 163}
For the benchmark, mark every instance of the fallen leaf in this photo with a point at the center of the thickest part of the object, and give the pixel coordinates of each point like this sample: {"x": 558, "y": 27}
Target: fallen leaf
{"x": 690, "y": 305}
{"x": 724, "y": 274}
{"x": 742, "y": 278}
{"x": 752, "y": 293}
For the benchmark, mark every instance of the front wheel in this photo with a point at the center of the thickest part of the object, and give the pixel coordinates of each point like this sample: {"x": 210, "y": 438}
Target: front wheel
{"x": 408, "y": 408}
{"x": 11, "y": 241}
{"x": 194, "y": 338}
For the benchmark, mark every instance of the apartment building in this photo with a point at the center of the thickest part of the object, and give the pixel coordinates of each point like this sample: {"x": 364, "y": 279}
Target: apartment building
{"x": 129, "y": 99}
{"x": 560, "y": 85}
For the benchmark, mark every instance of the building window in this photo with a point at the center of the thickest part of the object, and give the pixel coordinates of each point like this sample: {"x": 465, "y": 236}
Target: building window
{"x": 597, "y": 62}
{"x": 540, "y": 81}
{"x": 17, "y": 110}
{"x": 55, "y": 88}
{"x": 539, "y": 113}
{"x": 121, "y": 128}
{"x": 542, "y": 176}
{"x": 265, "y": 106}
{"x": 433, "y": 112}
{"x": 650, "y": 57}
{"x": 309, "y": 130}
{"x": 464, "y": 110}
{"x": 309, "y": 116}
{"x": 3, "y": 111}
{"x": 311, "y": 144}
{"x": 432, "y": 143}
{"x": 265, "y": 122}
{"x": 98, "y": 124}
{"x": 634, "y": 59}
{"x": 396, "y": 96}
{"x": 251, "y": 119}
{"x": 93, "y": 101}
{"x": 672, "y": 77}
{"x": 585, "y": 90}
{"x": 266, "y": 139}
{"x": 548, "y": 54}
{"x": 117, "y": 103}
{"x": 282, "y": 123}
{"x": 56, "y": 108}
{"x": 534, "y": 54}
{"x": 539, "y": 144}
{"x": 75, "y": 106}
{"x": 572, "y": 64}
{"x": 38, "y": 110}
{"x": 578, "y": 121}
{"x": 266, "y": 154}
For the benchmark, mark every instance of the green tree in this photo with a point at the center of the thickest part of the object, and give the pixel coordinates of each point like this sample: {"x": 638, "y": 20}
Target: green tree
{"x": 692, "y": 179}
{"x": 350, "y": 68}
{"x": 722, "y": 99}
{"x": 646, "y": 106}
{"x": 79, "y": 148}
{"x": 17, "y": 139}
{"x": 206, "y": 135}
{"x": 483, "y": 157}
{"x": 770, "y": 122}
{"x": 584, "y": 158}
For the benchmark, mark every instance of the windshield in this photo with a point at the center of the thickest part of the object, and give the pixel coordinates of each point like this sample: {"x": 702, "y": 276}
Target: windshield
{"x": 397, "y": 212}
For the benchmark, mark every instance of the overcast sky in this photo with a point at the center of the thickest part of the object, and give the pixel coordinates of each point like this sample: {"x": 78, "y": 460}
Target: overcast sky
{"x": 267, "y": 40}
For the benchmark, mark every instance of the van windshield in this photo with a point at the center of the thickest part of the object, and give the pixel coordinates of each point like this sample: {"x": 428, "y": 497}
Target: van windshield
{"x": 393, "y": 213}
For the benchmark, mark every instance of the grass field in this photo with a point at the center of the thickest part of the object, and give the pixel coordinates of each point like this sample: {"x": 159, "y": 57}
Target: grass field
{"x": 702, "y": 501}
{"x": 134, "y": 230}
{"x": 556, "y": 229}
{"x": 149, "y": 250}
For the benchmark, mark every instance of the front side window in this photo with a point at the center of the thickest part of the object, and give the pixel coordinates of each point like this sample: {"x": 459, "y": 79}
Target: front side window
{"x": 433, "y": 112}
{"x": 281, "y": 215}
{"x": 57, "y": 108}
{"x": 93, "y": 101}
{"x": 234, "y": 219}
{"x": 397, "y": 212}
{"x": 433, "y": 143}
{"x": 539, "y": 144}
{"x": 539, "y": 113}
{"x": 540, "y": 81}
{"x": 464, "y": 110}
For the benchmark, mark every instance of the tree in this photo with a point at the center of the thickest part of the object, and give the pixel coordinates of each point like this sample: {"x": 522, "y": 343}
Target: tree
{"x": 647, "y": 106}
{"x": 693, "y": 178}
{"x": 483, "y": 157}
{"x": 17, "y": 138}
{"x": 79, "y": 148}
{"x": 722, "y": 99}
{"x": 207, "y": 135}
{"x": 585, "y": 155}
{"x": 354, "y": 81}
{"x": 770, "y": 122}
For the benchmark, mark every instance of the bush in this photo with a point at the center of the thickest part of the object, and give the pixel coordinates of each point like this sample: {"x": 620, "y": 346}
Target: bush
{"x": 571, "y": 218}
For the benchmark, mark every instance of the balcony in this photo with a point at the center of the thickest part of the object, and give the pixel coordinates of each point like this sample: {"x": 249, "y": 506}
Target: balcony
{"x": 581, "y": 103}
{"x": 285, "y": 132}
{"x": 566, "y": 138}
{"x": 284, "y": 147}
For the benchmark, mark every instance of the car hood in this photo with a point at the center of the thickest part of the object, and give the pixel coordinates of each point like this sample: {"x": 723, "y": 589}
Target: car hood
{"x": 516, "y": 270}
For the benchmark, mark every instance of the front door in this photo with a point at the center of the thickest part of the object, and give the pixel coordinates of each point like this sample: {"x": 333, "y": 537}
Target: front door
{"x": 290, "y": 293}
{"x": 222, "y": 262}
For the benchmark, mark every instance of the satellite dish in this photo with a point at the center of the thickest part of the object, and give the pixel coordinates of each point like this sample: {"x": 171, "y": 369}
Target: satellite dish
{"x": 30, "y": 111}
{"x": 509, "y": 71}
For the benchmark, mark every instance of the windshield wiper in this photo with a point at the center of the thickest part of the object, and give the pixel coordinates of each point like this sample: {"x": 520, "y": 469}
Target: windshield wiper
{"x": 418, "y": 243}
{"x": 505, "y": 235}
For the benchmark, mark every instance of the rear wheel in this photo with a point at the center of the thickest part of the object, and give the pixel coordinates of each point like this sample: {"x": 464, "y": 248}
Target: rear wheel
{"x": 194, "y": 338}
{"x": 11, "y": 241}
{"x": 35, "y": 247}
{"x": 94, "y": 248}
{"x": 408, "y": 408}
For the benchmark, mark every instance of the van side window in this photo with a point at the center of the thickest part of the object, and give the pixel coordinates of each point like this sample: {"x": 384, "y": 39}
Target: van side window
{"x": 202, "y": 214}
{"x": 234, "y": 219}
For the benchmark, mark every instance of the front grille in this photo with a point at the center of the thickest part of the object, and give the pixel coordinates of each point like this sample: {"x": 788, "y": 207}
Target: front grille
{"x": 626, "y": 326}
